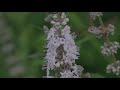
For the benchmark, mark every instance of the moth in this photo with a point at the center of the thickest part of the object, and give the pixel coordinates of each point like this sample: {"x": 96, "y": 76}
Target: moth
{"x": 102, "y": 30}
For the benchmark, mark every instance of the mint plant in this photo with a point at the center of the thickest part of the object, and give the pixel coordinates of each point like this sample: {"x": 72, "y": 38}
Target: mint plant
{"x": 109, "y": 48}
{"x": 61, "y": 49}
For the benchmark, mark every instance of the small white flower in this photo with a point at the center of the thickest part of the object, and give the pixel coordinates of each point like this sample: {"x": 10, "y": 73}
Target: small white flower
{"x": 46, "y": 29}
{"x": 64, "y": 23}
{"x": 57, "y": 64}
{"x": 93, "y": 15}
{"x": 61, "y": 62}
{"x": 110, "y": 48}
{"x": 55, "y": 16}
{"x": 58, "y": 23}
{"x": 111, "y": 29}
{"x": 63, "y": 15}
{"x": 65, "y": 74}
{"x": 66, "y": 20}
{"x": 53, "y": 22}
{"x": 114, "y": 68}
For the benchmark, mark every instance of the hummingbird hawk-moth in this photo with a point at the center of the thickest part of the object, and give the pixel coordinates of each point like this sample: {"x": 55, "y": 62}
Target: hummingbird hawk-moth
{"x": 102, "y": 30}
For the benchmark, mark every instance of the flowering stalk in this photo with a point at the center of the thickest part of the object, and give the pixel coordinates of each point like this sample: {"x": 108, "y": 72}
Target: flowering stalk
{"x": 107, "y": 38}
{"x": 62, "y": 51}
{"x": 109, "y": 48}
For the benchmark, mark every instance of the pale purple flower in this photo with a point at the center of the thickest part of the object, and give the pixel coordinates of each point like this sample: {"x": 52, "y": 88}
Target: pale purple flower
{"x": 75, "y": 72}
{"x": 61, "y": 48}
{"x": 110, "y": 48}
{"x": 111, "y": 29}
{"x": 114, "y": 68}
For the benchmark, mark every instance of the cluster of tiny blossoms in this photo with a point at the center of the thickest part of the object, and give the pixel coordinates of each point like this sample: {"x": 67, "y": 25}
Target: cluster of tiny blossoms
{"x": 93, "y": 15}
{"x": 110, "y": 48}
{"x": 111, "y": 29}
{"x": 61, "y": 49}
{"x": 114, "y": 68}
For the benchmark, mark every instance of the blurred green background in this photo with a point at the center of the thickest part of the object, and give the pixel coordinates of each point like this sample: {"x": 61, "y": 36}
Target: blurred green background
{"x": 22, "y": 41}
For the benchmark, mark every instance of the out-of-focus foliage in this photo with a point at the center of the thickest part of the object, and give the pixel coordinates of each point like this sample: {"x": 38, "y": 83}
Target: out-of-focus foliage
{"x": 29, "y": 39}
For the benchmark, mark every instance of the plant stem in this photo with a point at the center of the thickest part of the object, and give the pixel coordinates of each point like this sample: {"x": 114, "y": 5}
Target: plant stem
{"x": 101, "y": 21}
